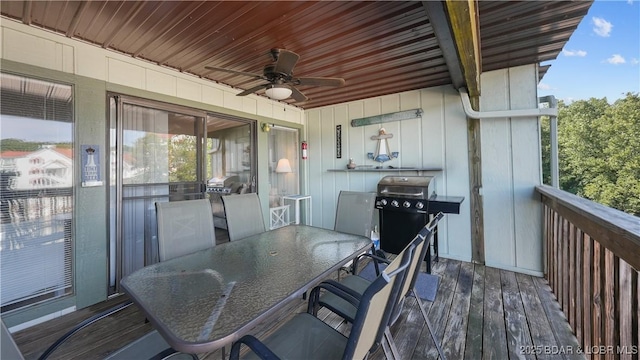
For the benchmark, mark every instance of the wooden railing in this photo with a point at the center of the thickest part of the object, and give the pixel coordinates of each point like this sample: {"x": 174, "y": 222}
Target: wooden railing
{"x": 592, "y": 261}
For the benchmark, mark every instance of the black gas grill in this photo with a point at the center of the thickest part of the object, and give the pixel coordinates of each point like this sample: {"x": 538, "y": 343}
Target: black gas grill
{"x": 403, "y": 204}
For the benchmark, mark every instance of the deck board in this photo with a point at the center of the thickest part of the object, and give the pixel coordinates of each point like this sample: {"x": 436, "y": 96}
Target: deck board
{"x": 473, "y": 347}
{"x": 455, "y": 333}
{"x": 518, "y": 336}
{"x": 495, "y": 335}
{"x": 469, "y": 314}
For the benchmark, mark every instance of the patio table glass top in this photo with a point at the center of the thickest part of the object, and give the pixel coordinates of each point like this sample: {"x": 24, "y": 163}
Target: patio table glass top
{"x": 203, "y": 301}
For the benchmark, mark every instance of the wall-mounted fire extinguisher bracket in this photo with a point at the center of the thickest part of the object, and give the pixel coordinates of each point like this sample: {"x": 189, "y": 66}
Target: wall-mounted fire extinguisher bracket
{"x": 304, "y": 150}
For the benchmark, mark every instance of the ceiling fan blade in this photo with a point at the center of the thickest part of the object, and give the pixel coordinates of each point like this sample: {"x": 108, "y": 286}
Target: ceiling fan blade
{"x": 286, "y": 61}
{"x": 257, "y": 76}
{"x": 253, "y": 89}
{"x": 319, "y": 81}
{"x": 297, "y": 95}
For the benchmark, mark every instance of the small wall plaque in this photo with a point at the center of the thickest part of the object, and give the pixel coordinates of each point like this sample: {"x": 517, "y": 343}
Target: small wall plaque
{"x": 91, "y": 165}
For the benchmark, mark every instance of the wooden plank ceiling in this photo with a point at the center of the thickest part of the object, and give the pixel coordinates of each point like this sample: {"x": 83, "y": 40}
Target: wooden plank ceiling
{"x": 378, "y": 47}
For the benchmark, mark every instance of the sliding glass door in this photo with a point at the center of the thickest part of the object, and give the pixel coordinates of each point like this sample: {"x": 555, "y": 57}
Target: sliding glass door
{"x": 160, "y": 153}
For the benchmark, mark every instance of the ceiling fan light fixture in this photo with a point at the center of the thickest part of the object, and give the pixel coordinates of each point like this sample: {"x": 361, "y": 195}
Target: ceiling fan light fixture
{"x": 278, "y": 92}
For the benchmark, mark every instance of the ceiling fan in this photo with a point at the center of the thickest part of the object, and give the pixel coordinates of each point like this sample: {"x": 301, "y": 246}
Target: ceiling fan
{"x": 280, "y": 82}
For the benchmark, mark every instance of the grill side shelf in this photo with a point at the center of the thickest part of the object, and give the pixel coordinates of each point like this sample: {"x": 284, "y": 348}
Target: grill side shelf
{"x": 446, "y": 204}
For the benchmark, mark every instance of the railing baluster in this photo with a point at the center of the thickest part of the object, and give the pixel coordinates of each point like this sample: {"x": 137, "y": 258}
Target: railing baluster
{"x": 572, "y": 276}
{"x": 586, "y": 289}
{"x": 611, "y": 291}
{"x": 596, "y": 325}
{"x": 579, "y": 281}
{"x": 565, "y": 268}
{"x": 625, "y": 305}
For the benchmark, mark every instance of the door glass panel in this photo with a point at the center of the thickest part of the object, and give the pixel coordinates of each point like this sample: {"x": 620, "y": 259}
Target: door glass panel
{"x": 284, "y": 171}
{"x": 229, "y": 167}
{"x": 158, "y": 160}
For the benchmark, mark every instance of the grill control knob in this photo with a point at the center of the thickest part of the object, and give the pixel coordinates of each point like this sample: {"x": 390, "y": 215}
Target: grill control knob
{"x": 419, "y": 205}
{"x": 394, "y": 203}
{"x": 406, "y": 204}
{"x": 383, "y": 202}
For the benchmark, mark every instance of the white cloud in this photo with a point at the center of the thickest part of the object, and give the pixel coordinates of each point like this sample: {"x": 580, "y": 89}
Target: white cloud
{"x": 580, "y": 53}
{"x": 543, "y": 86}
{"x": 634, "y": 61}
{"x": 616, "y": 59}
{"x": 601, "y": 26}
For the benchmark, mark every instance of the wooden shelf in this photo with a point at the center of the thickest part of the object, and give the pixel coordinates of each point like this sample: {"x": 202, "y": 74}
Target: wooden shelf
{"x": 373, "y": 169}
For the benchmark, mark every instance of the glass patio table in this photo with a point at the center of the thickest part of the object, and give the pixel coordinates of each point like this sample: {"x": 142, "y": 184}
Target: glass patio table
{"x": 203, "y": 301}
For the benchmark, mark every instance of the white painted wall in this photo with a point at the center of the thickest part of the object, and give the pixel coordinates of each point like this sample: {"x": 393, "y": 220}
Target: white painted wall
{"x": 511, "y": 168}
{"x": 436, "y": 140}
{"x": 28, "y": 45}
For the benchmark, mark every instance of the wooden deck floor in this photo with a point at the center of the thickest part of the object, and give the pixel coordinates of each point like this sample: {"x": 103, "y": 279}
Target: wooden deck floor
{"x": 479, "y": 312}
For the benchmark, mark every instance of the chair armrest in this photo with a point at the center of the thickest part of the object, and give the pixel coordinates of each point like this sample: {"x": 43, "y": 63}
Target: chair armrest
{"x": 81, "y": 326}
{"x": 376, "y": 260}
{"x": 334, "y": 287}
{"x": 255, "y": 345}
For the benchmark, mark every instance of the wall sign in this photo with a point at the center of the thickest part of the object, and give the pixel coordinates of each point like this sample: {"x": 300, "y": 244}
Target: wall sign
{"x": 90, "y": 165}
{"x": 396, "y": 116}
{"x": 339, "y": 141}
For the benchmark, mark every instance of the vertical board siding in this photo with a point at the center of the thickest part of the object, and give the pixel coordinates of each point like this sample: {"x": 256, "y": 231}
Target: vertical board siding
{"x": 431, "y": 141}
{"x": 497, "y": 173}
{"x": 526, "y": 167}
{"x": 456, "y": 174}
{"x": 596, "y": 289}
{"x": 511, "y": 171}
{"x": 327, "y": 160}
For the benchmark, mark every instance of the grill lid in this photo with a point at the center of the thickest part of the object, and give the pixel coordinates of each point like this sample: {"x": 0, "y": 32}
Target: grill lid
{"x": 416, "y": 187}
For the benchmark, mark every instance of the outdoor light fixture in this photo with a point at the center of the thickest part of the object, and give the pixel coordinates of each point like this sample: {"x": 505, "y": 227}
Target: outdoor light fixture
{"x": 283, "y": 166}
{"x": 278, "y": 92}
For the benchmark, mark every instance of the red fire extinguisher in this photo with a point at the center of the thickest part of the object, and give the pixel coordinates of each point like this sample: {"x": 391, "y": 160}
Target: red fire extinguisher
{"x": 304, "y": 150}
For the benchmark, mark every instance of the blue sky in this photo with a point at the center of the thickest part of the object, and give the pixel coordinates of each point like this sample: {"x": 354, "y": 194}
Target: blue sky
{"x": 601, "y": 59}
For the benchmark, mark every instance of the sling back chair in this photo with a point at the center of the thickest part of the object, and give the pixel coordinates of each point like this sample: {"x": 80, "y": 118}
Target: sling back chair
{"x": 357, "y": 284}
{"x": 184, "y": 227}
{"x": 244, "y": 215}
{"x": 307, "y": 337}
{"x": 354, "y": 215}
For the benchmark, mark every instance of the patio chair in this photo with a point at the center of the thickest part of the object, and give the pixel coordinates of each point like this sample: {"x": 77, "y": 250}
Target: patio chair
{"x": 150, "y": 345}
{"x": 307, "y": 337}
{"x": 357, "y": 284}
{"x": 244, "y": 215}
{"x": 354, "y": 215}
{"x": 184, "y": 227}
{"x": 354, "y": 212}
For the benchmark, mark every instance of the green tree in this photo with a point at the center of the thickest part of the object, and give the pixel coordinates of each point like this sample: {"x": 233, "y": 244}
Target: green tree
{"x": 618, "y": 182}
{"x": 599, "y": 151}
{"x": 579, "y": 142}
